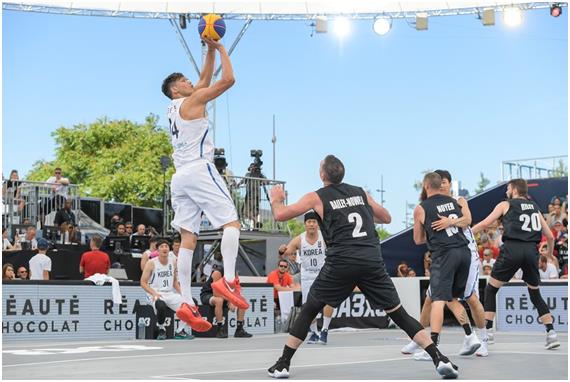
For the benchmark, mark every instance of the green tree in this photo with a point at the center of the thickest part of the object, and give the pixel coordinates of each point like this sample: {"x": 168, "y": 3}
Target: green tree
{"x": 382, "y": 233}
{"x": 561, "y": 170}
{"x": 116, "y": 160}
{"x": 295, "y": 227}
{"x": 483, "y": 183}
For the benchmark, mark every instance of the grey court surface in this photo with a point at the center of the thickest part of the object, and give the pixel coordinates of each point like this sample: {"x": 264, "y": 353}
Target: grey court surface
{"x": 365, "y": 354}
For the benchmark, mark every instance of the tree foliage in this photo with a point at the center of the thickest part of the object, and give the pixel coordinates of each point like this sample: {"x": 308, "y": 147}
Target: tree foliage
{"x": 295, "y": 227}
{"x": 482, "y": 184}
{"x": 382, "y": 233}
{"x": 116, "y": 160}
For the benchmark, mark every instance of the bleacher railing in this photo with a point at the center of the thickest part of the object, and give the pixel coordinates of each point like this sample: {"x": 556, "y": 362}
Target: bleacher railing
{"x": 32, "y": 202}
{"x": 251, "y": 199}
{"x": 535, "y": 168}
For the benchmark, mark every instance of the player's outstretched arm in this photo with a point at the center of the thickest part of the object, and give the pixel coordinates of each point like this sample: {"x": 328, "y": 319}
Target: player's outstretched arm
{"x": 281, "y": 212}
{"x": 293, "y": 246}
{"x": 499, "y": 211}
{"x": 219, "y": 87}
{"x": 419, "y": 218}
{"x": 381, "y": 214}
{"x": 208, "y": 69}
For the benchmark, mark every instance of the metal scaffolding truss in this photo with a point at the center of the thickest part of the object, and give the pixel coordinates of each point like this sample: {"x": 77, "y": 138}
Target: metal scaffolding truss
{"x": 236, "y": 15}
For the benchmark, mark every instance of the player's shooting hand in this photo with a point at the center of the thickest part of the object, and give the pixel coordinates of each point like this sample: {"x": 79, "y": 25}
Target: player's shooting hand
{"x": 441, "y": 224}
{"x": 277, "y": 194}
{"x": 212, "y": 44}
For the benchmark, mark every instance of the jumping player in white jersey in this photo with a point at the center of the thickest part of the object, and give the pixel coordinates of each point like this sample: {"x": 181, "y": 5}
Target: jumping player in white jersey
{"x": 161, "y": 285}
{"x": 471, "y": 294}
{"x": 197, "y": 187}
{"x": 311, "y": 246}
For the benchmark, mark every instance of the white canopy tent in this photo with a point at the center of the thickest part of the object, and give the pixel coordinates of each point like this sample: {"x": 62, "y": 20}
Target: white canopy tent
{"x": 268, "y": 9}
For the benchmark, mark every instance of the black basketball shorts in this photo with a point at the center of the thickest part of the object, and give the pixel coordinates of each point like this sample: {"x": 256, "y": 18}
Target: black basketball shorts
{"x": 515, "y": 255}
{"x": 448, "y": 273}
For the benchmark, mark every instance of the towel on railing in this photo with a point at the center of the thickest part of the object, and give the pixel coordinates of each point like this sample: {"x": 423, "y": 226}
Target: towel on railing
{"x": 100, "y": 279}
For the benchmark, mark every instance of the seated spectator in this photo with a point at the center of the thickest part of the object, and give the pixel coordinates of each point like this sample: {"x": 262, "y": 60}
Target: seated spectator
{"x": 176, "y": 242}
{"x": 8, "y": 272}
{"x": 547, "y": 270}
{"x": 402, "y": 270}
{"x": 6, "y": 244}
{"x": 23, "y": 273}
{"x": 543, "y": 251}
{"x": 281, "y": 280}
{"x": 487, "y": 258}
{"x": 208, "y": 298}
{"x": 294, "y": 267}
{"x": 121, "y": 230}
{"x": 561, "y": 249}
{"x": 141, "y": 230}
{"x": 411, "y": 272}
{"x": 558, "y": 229}
{"x": 94, "y": 261}
{"x": 40, "y": 264}
{"x": 150, "y": 253}
{"x": 556, "y": 213}
{"x": 487, "y": 269}
{"x": 115, "y": 219}
{"x": 427, "y": 263}
{"x": 129, "y": 228}
{"x": 488, "y": 243}
{"x": 29, "y": 241}
{"x": 65, "y": 215}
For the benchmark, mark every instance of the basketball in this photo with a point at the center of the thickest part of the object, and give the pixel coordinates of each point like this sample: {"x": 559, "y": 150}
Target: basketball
{"x": 212, "y": 26}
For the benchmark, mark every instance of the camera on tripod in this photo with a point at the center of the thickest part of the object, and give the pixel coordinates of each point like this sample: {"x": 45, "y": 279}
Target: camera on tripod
{"x": 255, "y": 166}
{"x": 220, "y": 160}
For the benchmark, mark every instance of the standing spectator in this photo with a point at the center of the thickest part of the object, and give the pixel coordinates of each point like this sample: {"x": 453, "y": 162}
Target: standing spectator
{"x": 8, "y": 272}
{"x": 13, "y": 186}
{"x": 29, "y": 242}
{"x": 40, "y": 264}
{"x": 150, "y": 253}
{"x": 176, "y": 245}
{"x": 487, "y": 258}
{"x": 94, "y": 261}
{"x": 487, "y": 270}
{"x": 427, "y": 263}
{"x": 65, "y": 215}
{"x": 23, "y": 273}
{"x": 59, "y": 186}
{"x": 411, "y": 272}
{"x": 281, "y": 280}
{"x": 547, "y": 270}
{"x": 6, "y": 244}
{"x": 561, "y": 248}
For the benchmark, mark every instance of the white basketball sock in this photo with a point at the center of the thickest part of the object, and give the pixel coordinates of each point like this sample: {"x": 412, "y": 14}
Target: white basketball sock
{"x": 326, "y": 322}
{"x": 314, "y": 327}
{"x": 185, "y": 274}
{"x": 230, "y": 244}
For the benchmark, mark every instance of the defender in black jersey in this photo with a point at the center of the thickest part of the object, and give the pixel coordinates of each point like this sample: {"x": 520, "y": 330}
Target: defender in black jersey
{"x": 450, "y": 254}
{"x": 346, "y": 217}
{"x": 523, "y": 225}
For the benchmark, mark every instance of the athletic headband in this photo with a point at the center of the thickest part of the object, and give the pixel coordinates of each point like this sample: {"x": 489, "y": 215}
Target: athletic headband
{"x": 311, "y": 215}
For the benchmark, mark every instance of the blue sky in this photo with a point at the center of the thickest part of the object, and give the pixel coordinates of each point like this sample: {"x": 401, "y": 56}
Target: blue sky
{"x": 459, "y": 96}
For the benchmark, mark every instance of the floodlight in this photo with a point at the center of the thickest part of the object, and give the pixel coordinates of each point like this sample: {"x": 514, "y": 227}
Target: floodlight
{"x": 512, "y": 17}
{"x": 341, "y": 27}
{"x": 382, "y": 25}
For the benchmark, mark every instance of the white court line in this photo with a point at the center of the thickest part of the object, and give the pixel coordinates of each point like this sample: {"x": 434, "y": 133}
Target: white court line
{"x": 179, "y": 376}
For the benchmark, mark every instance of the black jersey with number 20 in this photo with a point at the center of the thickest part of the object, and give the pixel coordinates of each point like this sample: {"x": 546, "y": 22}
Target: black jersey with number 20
{"x": 522, "y": 221}
{"x": 348, "y": 219}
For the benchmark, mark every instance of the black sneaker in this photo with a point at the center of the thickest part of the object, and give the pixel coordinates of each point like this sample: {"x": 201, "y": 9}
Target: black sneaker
{"x": 161, "y": 334}
{"x": 279, "y": 370}
{"x": 222, "y": 333}
{"x": 241, "y": 333}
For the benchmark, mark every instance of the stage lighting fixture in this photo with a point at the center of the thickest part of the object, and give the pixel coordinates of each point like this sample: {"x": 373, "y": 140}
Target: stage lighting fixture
{"x": 488, "y": 17}
{"x": 555, "y": 10}
{"x": 341, "y": 26}
{"x": 182, "y": 21}
{"x": 512, "y": 17}
{"x": 382, "y": 25}
{"x": 421, "y": 22}
{"x": 321, "y": 24}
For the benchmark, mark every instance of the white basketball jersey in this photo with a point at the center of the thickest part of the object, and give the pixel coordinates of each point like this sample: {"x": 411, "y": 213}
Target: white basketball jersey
{"x": 311, "y": 257}
{"x": 162, "y": 279}
{"x": 471, "y": 239}
{"x": 191, "y": 140}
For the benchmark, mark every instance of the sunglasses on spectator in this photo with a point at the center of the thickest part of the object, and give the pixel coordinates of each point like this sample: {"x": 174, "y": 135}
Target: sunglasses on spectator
{"x": 23, "y": 272}
{"x": 283, "y": 266}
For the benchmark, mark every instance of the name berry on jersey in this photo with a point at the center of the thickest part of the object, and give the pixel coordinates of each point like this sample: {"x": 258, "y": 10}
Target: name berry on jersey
{"x": 347, "y": 202}
{"x": 526, "y": 206}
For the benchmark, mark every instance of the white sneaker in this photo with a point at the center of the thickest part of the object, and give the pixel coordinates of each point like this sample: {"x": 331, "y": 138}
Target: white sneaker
{"x": 470, "y": 345}
{"x": 422, "y": 355}
{"x": 411, "y": 348}
{"x": 551, "y": 340}
{"x": 490, "y": 337}
{"x": 482, "y": 351}
{"x": 447, "y": 370}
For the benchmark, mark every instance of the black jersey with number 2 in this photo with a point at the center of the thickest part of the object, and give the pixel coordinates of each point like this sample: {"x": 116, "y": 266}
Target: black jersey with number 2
{"x": 522, "y": 221}
{"x": 348, "y": 220}
{"x": 451, "y": 237}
